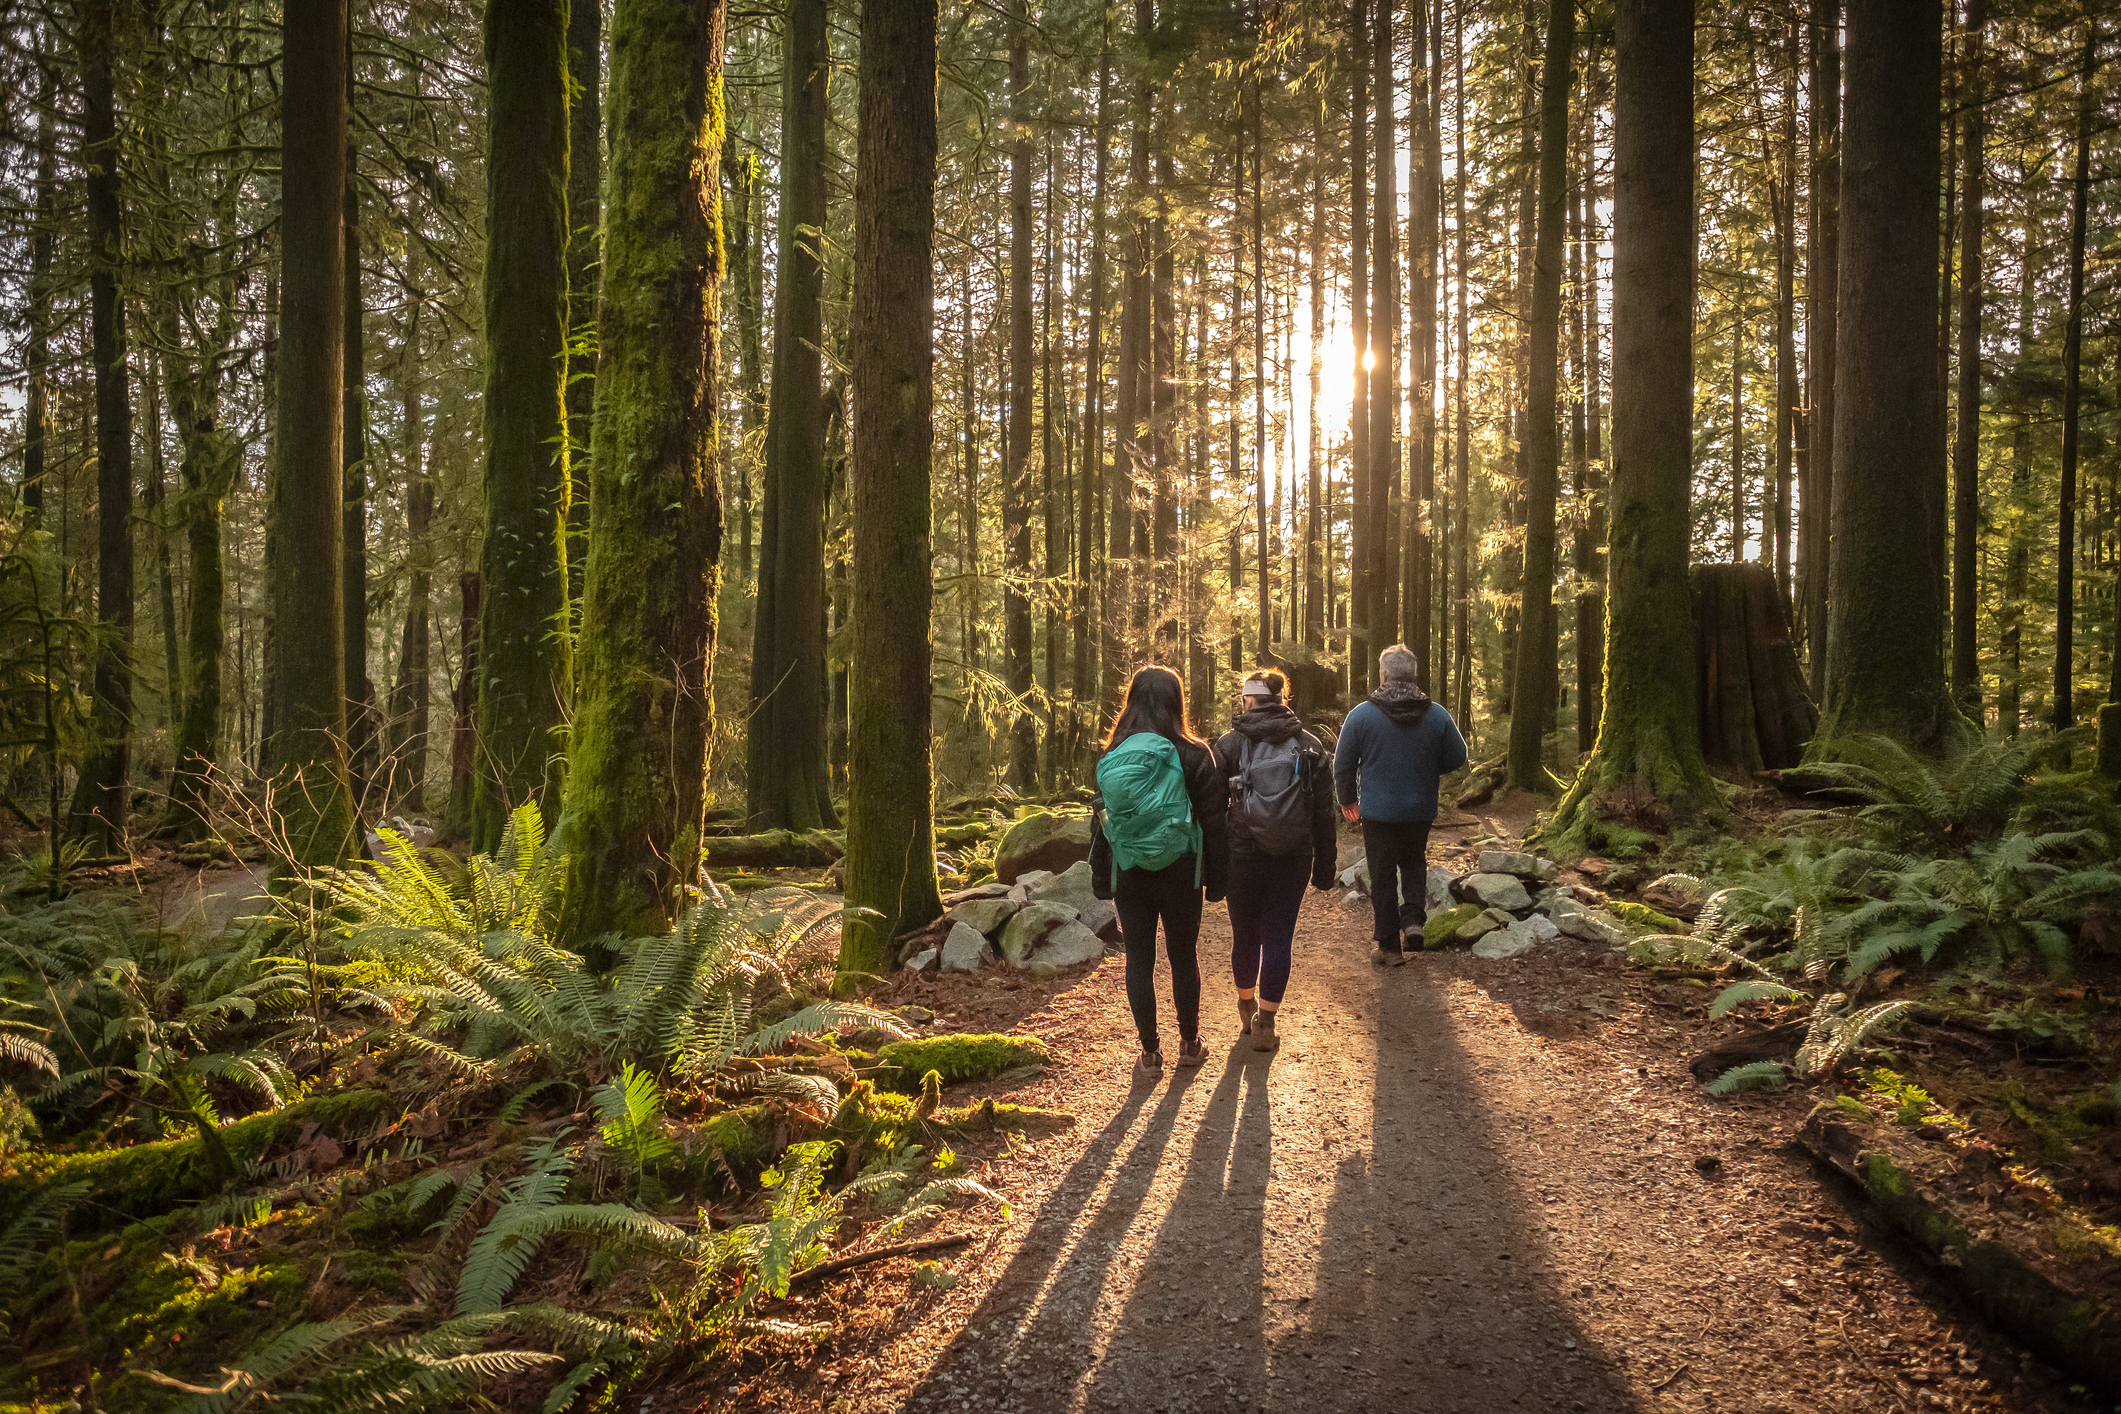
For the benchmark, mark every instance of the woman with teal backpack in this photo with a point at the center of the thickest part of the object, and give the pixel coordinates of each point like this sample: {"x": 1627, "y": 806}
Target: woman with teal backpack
{"x": 1157, "y": 846}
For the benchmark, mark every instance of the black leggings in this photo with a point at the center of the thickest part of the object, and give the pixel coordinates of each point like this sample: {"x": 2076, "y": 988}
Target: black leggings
{"x": 1265, "y": 897}
{"x": 1143, "y": 897}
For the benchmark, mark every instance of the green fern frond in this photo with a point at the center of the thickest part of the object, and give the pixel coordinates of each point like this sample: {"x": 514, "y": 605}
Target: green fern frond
{"x": 1739, "y": 993}
{"x": 285, "y": 1353}
{"x": 1756, "y": 1076}
{"x": 21, "y": 1049}
{"x": 822, "y": 1016}
{"x": 501, "y": 1251}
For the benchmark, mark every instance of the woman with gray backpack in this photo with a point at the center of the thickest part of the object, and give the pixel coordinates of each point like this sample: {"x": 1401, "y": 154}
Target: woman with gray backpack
{"x": 1156, "y": 846}
{"x": 1281, "y": 837}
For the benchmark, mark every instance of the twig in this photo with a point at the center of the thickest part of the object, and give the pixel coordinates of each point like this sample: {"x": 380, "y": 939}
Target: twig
{"x": 882, "y": 1254}
{"x": 1684, "y": 1366}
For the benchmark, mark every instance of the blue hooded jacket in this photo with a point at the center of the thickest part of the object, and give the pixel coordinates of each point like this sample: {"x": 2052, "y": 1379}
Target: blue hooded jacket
{"x": 1393, "y": 750}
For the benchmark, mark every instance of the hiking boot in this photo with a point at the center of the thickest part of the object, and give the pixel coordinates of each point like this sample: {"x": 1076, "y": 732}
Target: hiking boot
{"x": 1245, "y": 1007}
{"x": 1388, "y": 957}
{"x": 1263, "y": 1034}
{"x": 1150, "y": 1066}
{"x": 1191, "y": 1053}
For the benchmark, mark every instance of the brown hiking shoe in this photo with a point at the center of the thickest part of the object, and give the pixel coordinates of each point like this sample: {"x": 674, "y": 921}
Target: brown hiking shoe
{"x": 1263, "y": 1033}
{"x": 1388, "y": 957}
{"x": 1150, "y": 1066}
{"x": 1245, "y": 1007}
{"x": 1191, "y": 1053}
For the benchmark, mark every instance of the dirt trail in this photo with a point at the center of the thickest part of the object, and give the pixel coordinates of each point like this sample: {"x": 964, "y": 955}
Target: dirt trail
{"x": 1459, "y": 1185}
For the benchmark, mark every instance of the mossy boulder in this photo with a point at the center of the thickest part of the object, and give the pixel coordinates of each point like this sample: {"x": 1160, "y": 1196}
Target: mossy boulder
{"x": 1440, "y": 930}
{"x": 959, "y": 1058}
{"x": 145, "y": 1179}
{"x": 1042, "y": 841}
{"x": 1643, "y": 919}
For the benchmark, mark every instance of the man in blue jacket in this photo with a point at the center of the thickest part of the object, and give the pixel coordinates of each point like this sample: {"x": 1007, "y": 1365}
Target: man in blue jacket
{"x": 1393, "y": 751}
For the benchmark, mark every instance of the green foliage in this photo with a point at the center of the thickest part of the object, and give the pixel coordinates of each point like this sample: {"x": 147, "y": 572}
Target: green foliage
{"x": 1910, "y": 1102}
{"x": 1914, "y": 803}
{"x": 1759, "y": 1075}
{"x": 631, "y": 1106}
{"x": 960, "y": 1059}
{"x": 1642, "y": 916}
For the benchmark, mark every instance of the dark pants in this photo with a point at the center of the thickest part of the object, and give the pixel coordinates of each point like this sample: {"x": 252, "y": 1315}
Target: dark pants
{"x": 1143, "y": 897}
{"x": 1265, "y": 894}
{"x": 1397, "y": 852}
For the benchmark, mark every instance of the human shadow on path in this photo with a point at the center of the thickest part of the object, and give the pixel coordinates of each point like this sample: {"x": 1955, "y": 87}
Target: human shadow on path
{"x": 1042, "y": 1303}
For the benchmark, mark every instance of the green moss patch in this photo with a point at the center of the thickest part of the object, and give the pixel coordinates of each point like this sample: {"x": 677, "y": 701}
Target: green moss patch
{"x": 1438, "y": 930}
{"x": 959, "y": 1059}
{"x": 1643, "y": 918}
{"x": 145, "y": 1179}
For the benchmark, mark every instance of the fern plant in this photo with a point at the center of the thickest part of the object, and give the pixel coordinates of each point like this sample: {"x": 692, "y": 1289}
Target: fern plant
{"x": 631, "y": 1106}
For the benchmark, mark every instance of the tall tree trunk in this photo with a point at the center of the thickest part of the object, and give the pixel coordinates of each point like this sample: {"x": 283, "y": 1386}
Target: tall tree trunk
{"x": 1259, "y": 376}
{"x": 637, "y": 760}
{"x": 524, "y": 658}
{"x": 890, "y": 819}
{"x": 37, "y": 417}
{"x": 1422, "y": 235}
{"x": 1536, "y": 667}
{"x": 1093, "y": 469}
{"x": 1649, "y": 737}
{"x": 1588, "y": 547}
{"x": 585, "y": 180}
{"x": 1966, "y": 449}
{"x": 309, "y": 475}
{"x": 2021, "y": 512}
{"x": 1122, "y": 590}
{"x": 1786, "y": 412}
{"x": 1163, "y": 415}
{"x": 1016, "y": 486}
{"x": 407, "y": 754}
{"x": 353, "y": 533}
{"x": 2064, "y": 708}
{"x": 157, "y": 510}
{"x": 1815, "y": 526}
{"x": 1363, "y": 527}
{"x": 1314, "y": 630}
{"x": 788, "y": 783}
{"x": 1384, "y": 338}
{"x": 1461, "y": 478}
{"x": 98, "y": 810}
{"x": 1885, "y": 665}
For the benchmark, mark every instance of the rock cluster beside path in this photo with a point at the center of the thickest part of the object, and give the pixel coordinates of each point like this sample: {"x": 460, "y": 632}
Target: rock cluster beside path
{"x": 1039, "y": 924}
{"x": 1508, "y": 905}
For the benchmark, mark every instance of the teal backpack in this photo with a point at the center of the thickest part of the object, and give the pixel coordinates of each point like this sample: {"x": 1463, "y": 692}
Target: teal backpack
{"x": 1148, "y": 815}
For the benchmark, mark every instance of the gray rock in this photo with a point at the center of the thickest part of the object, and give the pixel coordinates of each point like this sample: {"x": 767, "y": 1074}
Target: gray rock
{"x": 1354, "y": 899}
{"x": 1019, "y": 894}
{"x": 964, "y": 949}
{"x": 983, "y": 914}
{"x": 1439, "y": 892}
{"x": 990, "y": 889}
{"x": 1495, "y": 890}
{"x": 1071, "y": 887}
{"x": 1066, "y": 946}
{"x": 1521, "y": 936}
{"x": 1101, "y": 918}
{"x": 1030, "y": 880}
{"x": 1032, "y": 925}
{"x": 1475, "y": 928}
{"x": 924, "y": 959}
{"x": 1590, "y": 925}
{"x": 1041, "y": 841}
{"x": 1523, "y": 866}
{"x": 1357, "y": 874}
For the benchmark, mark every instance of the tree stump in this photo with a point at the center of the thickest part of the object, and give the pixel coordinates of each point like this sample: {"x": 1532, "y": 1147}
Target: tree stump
{"x": 1755, "y": 712}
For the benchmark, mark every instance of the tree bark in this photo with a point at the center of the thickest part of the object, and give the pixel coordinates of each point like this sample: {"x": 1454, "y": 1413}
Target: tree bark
{"x": 890, "y": 806}
{"x": 2021, "y": 514}
{"x": 1536, "y": 666}
{"x": 1093, "y": 467}
{"x": 1966, "y": 447}
{"x": 1016, "y": 486}
{"x": 1363, "y": 527}
{"x": 1314, "y": 622}
{"x": 637, "y": 761}
{"x": 1649, "y": 742}
{"x": 788, "y": 783}
{"x": 1422, "y": 235}
{"x": 99, "y": 804}
{"x": 1755, "y": 713}
{"x": 2064, "y": 707}
{"x": 1385, "y": 493}
{"x": 1815, "y": 525}
{"x": 1786, "y": 412}
{"x": 37, "y": 418}
{"x": 407, "y": 753}
{"x": 353, "y": 534}
{"x": 585, "y": 180}
{"x": 1885, "y": 665}
{"x": 1461, "y": 479}
{"x": 308, "y": 583}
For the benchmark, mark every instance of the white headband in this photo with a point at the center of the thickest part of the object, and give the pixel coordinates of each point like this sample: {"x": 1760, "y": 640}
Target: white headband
{"x": 1257, "y": 687}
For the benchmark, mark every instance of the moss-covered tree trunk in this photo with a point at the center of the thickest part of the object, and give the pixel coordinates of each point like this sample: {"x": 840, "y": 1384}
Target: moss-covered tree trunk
{"x": 1016, "y": 484}
{"x": 309, "y": 669}
{"x": 361, "y": 727}
{"x": 406, "y": 788}
{"x": 1649, "y": 742}
{"x": 1885, "y": 664}
{"x": 1092, "y": 479}
{"x": 890, "y": 781}
{"x": 787, "y": 779}
{"x": 523, "y": 646}
{"x": 97, "y": 814}
{"x": 585, "y": 182}
{"x": 1536, "y": 666}
{"x": 2063, "y": 709}
{"x": 1966, "y": 441}
{"x": 1815, "y": 490}
{"x": 37, "y": 418}
{"x": 637, "y": 763}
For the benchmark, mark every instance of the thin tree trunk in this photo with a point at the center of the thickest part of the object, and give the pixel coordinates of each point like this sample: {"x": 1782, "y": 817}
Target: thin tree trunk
{"x": 1649, "y": 738}
{"x": 1088, "y": 604}
{"x": 309, "y": 670}
{"x": 157, "y": 509}
{"x": 1363, "y": 526}
{"x": 2022, "y": 513}
{"x": 408, "y": 695}
{"x": 1885, "y": 664}
{"x": 637, "y": 761}
{"x": 1314, "y": 526}
{"x": 37, "y": 417}
{"x": 2064, "y": 708}
{"x": 585, "y": 180}
{"x": 1259, "y": 377}
{"x": 1016, "y": 486}
{"x": 789, "y": 784}
{"x": 1815, "y": 527}
{"x": 1536, "y": 666}
{"x": 1422, "y": 176}
{"x": 1785, "y": 203}
{"x": 1461, "y": 480}
{"x": 1385, "y": 493}
{"x": 1966, "y": 451}
{"x": 353, "y": 534}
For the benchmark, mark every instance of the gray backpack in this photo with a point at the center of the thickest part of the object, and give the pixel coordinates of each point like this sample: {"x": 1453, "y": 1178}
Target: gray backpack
{"x": 1272, "y": 794}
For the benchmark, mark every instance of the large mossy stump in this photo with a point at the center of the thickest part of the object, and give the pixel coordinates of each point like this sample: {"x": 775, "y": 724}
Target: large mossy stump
{"x": 1756, "y": 713}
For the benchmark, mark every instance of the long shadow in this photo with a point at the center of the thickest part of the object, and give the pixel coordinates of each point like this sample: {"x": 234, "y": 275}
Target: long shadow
{"x": 1044, "y": 1301}
{"x": 1194, "y": 1324}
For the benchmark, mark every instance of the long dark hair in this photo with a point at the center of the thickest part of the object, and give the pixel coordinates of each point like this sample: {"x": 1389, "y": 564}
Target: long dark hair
{"x": 1155, "y": 702}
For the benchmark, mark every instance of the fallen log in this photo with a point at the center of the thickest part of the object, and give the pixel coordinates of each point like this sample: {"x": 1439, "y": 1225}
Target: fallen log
{"x": 775, "y": 849}
{"x": 836, "y": 1265}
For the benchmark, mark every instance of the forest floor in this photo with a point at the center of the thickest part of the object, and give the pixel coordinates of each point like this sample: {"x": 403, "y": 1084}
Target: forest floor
{"x": 1459, "y": 1185}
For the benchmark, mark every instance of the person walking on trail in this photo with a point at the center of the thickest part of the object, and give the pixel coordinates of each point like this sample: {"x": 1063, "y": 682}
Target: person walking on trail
{"x": 1393, "y": 751}
{"x": 1157, "y": 845}
{"x": 1281, "y": 837}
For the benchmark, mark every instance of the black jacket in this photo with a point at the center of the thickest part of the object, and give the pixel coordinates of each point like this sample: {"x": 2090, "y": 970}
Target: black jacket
{"x": 1276, "y": 724}
{"x": 1210, "y": 795}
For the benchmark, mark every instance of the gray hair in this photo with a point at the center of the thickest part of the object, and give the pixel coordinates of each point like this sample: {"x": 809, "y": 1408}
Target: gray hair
{"x": 1398, "y": 664}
